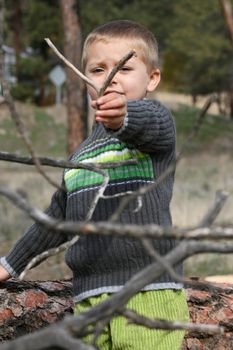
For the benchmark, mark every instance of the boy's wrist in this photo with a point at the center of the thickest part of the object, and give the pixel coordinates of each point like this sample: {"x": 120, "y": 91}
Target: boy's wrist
{"x": 4, "y": 274}
{"x": 118, "y": 127}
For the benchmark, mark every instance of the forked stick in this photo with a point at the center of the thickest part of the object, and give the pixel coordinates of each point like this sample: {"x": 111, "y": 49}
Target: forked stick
{"x": 70, "y": 65}
{"x": 100, "y": 91}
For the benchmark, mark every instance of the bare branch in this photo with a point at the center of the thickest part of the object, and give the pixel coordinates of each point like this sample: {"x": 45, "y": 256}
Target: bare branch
{"x": 63, "y": 334}
{"x": 55, "y": 336}
{"x": 100, "y": 92}
{"x": 70, "y": 65}
{"x": 135, "y": 318}
{"x": 114, "y": 304}
{"x": 99, "y": 195}
{"x": 22, "y": 131}
{"x": 12, "y": 157}
{"x": 120, "y": 230}
{"x": 210, "y": 216}
{"x": 199, "y": 123}
{"x": 150, "y": 274}
{"x": 162, "y": 261}
{"x": 39, "y": 258}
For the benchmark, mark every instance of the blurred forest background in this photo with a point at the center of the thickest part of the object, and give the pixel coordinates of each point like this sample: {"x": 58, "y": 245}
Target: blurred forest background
{"x": 196, "y": 60}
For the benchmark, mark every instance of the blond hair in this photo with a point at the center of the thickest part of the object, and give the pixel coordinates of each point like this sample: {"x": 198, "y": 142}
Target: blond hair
{"x": 142, "y": 40}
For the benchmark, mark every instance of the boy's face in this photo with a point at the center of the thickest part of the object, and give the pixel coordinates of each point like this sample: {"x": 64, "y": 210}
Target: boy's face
{"x": 133, "y": 80}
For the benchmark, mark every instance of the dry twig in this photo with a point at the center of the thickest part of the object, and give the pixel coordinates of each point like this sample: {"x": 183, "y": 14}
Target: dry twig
{"x": 22, "y": 132}
{"x": 135, "y": 318}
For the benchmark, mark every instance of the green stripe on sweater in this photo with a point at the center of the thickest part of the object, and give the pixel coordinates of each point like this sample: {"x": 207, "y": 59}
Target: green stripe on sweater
{"x": 80, "y": 178}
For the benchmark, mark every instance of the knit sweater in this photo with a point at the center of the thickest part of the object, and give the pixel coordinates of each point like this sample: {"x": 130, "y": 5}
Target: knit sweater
{"x": 105, "y": 263}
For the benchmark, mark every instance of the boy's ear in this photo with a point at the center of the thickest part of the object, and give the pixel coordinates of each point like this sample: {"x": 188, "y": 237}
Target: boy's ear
{"x": 154, "y": 80}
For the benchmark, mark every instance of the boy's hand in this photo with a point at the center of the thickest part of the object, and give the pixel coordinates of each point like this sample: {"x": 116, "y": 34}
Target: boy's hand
{"x": 4, "y": 275}
{"x": 111, "y": 110}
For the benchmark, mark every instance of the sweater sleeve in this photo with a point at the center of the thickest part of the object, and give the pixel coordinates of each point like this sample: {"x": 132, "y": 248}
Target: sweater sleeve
{"x": 37, "y": 239}
{"x": 149, "y": 126}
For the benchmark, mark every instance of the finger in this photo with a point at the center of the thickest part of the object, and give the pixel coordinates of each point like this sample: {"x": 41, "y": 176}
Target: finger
{"x": 109, "y": 102}
{"x": 113, "y": 96}
{"x": 114, "y": 104}
{"x": 111, "y": 113}
{"x": 94, "y": 104}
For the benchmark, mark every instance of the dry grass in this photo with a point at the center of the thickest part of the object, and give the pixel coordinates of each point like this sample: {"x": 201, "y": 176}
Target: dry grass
{"x": 197, "y": 180}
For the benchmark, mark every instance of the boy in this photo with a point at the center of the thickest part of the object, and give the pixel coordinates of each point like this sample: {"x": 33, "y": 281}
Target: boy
{"x": 128, "y": 126}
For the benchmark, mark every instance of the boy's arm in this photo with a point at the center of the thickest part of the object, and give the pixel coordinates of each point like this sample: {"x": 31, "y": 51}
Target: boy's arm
{"x": 36, "y": 240}
{"x": 149, "y": 126}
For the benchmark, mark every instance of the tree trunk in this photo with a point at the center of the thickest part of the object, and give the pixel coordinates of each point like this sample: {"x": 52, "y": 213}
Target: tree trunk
{"x": 1, "y": 42}
{"x": 227, "y": 12}
{"x": 28, "y": 306}
{"x": 76, "y": 101}
{"x": 231, "y": 104}
{"x": 17, "y": 26}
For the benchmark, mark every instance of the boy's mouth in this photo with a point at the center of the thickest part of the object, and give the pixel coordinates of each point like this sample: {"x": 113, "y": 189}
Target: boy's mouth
{"x": 111, "y": 91}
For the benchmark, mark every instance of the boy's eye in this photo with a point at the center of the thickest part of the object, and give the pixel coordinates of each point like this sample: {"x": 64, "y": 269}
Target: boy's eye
{"x": 126, "y": 68}
{"x": 97, "y": 70}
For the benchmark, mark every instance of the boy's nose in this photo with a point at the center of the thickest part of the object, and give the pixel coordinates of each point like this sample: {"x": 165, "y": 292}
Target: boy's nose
{"x": 113, "y": 82}
{"x": 114, "y": 79}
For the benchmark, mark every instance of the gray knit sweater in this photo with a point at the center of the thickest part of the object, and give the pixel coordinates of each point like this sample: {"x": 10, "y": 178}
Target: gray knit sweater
{"x": 99, "y": 263}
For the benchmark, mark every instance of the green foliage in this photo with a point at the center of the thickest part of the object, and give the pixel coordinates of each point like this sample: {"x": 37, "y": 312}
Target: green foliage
{"x": 39, "y": 19}
{"x": 195, "y": 49}
{"x": 155, "y": 15}
{"x": 42, "y": 19}
{"x": 199, "y": 50}
{"x": 31, "y": 71}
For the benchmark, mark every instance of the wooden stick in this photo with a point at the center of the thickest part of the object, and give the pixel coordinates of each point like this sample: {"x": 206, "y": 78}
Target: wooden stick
{"x": 119, "y": 65}
{"x": 70, "y": 65}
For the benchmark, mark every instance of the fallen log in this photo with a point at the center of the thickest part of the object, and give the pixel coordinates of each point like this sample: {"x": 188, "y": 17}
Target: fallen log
{"x": 30, "y": 305}
{"x": 212, "y": 305}
{"x": 27, "y": 306}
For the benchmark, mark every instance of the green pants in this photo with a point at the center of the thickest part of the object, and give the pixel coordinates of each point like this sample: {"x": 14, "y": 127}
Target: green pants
{"x": 166, "y": 304}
